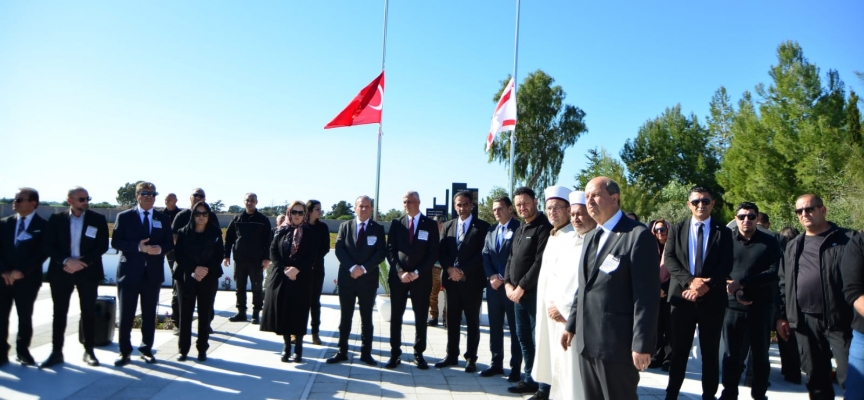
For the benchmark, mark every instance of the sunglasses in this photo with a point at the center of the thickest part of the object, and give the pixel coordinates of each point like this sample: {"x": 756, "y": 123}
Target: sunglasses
{"x": 21, "y": 199}
{"x": 746, "y": 216}
{"x": 148, "y": 193}
{"x": 808, "y": 210}
{"x": 83, "y": 199}
{"x": 198, "y": 195}
{"x": 298, "y": 212}
{"x": 659, "y": 230}
{"x": 201, "y": 213}
{"x": 704, "y": 202}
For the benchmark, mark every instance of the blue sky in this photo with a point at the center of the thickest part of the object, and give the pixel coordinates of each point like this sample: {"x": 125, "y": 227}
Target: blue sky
{"x": 233, "y": 96}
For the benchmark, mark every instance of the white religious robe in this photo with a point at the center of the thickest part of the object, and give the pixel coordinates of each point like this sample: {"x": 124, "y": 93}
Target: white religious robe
{"x": 557, "y": 285}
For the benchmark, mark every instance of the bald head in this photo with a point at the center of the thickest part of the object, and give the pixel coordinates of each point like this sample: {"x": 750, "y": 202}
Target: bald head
{"x": 602, "y": 197}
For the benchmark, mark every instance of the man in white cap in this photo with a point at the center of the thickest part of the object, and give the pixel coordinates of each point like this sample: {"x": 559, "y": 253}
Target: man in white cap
{"x": 556, "y": 286}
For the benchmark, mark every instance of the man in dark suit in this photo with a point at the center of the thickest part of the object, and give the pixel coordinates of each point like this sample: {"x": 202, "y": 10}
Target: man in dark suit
{"x": 496, "y": 250}
{"x": 21, "y": 258}
{"x": 76, "y": 240}
{"x": 360, "y": 248}
{"x": 699, "y": 257}
{"x": 143, "y": 236}
{"x": 461, "y": 257}
{"x": 171, "y": 210}
{"x": 616, "y": 305}
{"x": 412, "y": 248}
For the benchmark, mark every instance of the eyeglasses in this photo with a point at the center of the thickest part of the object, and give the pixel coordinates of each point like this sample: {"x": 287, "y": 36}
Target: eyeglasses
{"x": 198, "y": 195}
{"x": 660, "y": 229}
{"x": 704, "y": 202}
{"x": 298, "y": 212}
{"x": 147, "y": 193}
{"x": 808, "y": 210}
{"x": 83, "y": 199}
{"x": 201, "y": 213}
{"x": 21, "y": 199}
{"x": 746, "y": 216}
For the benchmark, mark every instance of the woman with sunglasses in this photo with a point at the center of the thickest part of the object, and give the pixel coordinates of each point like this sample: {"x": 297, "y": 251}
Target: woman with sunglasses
{"x": 198, "y": 253}
{"x": 663, "y": 352}
{"x": 287, "y": 297}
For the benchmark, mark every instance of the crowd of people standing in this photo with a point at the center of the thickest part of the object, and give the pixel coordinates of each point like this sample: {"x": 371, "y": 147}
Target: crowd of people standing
{"x": 578, "y": 285}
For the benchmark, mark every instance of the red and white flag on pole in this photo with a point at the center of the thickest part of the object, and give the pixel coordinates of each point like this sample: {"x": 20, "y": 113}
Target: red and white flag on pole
{"x": 504, "y": 118}
{"x": 365, "y": 108}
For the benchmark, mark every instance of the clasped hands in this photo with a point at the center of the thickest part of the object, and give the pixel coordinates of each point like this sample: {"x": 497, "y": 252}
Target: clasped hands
{"x": 698, "y": 288}
{"x": 73, "y": 265}
{"x": 357, "y": 272}
{"x": 496, "y": 281}
{"x": 408, "y": 277}
{"x": 455, "y": 273}
{"x": 555, "y": 315}
{"x": 291, "y": 273}
{"x": 153, "y": 250}
{"x": 200, "y": 273}
{"x": 514, "y": 293}
{"x": 10, "y": 277}
{"x": 735, "y": 288}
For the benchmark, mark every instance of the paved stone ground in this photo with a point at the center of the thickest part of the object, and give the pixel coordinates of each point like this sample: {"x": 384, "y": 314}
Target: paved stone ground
{"x": 244, "y": 363}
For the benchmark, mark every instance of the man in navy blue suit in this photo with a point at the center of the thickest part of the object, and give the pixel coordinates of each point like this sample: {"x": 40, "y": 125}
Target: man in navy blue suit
{"x": 143, "y": 236}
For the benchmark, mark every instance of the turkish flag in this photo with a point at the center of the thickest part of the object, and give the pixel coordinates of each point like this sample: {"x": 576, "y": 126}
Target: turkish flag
{"x": 365, "y": 108}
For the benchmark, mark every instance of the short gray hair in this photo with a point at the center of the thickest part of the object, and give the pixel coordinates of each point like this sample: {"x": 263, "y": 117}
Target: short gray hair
{"x": 362, "y": 197}
{"x": 412, "y": 193}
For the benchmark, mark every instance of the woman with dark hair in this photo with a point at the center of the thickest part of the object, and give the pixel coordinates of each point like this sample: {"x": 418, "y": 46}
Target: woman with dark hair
{"x": 287, "y": 297}
{"x": 322, "y": 232}
{"x": 663, "y": 352}
{"x": 198, "y": 253}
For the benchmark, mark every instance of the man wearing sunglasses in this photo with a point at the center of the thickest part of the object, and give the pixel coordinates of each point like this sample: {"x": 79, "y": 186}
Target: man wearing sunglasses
{"x": 21, "y": 258}
{"x": 812, "y": 304}
{"x": 750, "y": 297}
{"x": 248, "y": 235}
{"x": 143, "y": 236}
{"x": 698, "y": 256}
{"x": 76, "y": 240}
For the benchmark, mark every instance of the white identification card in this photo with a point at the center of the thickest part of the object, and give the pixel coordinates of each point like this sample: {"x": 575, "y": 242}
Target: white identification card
{"x": 24, "y": 236}
{"x": 91, "y": 232}
{"x": 508, "y": 235}
{"x": 157, "y": 224}
{"x": 609, "y": 264}
{"x": 371, "y": 240}
{"x": 423, "y": 235}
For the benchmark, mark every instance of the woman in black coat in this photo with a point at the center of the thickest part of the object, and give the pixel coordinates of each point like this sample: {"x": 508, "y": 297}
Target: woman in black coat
{"x": 198, "y": 253}
{"x": 289, "y": 282}
{"x": 323, "y": 233}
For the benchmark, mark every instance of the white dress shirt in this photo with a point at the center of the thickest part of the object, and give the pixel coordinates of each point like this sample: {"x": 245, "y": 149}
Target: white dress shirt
{"x": 356, "y": 234}
{"x": 692, "y": 238}
{"x": 607, "y": 230}
{"x": 76, "y": 226}
{"x": 149, "y": 218}
{"x": 27, "y": 220}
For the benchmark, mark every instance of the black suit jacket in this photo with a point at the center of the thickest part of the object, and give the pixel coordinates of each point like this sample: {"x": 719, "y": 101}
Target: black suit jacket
{"x": 717, "y": 264}
{"x": 350, "y": 253}
{"x": 420, "y": 255}
{"x": 470, "y": 254}
{"x": 58, "y": 244}
{"x": 495, "y": 261}
{"x": 136, "y": 267}
{"x": 29, "y": 255}
{"x": 617, "y": 309}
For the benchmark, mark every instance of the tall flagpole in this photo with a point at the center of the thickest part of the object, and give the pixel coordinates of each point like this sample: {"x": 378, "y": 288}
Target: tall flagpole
{"x": 515, "y": 85}
{"x": 376, "y": 203}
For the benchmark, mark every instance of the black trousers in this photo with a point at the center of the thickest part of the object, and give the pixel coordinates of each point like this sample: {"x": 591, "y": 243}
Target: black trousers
{"x": 175, "y": 304}
{"x": 418, "y": 291}
{"x": 61, "y": 294}
{"x": 24, "y": 295}
{"x": 816, "y": 343}
{"x": 684, "y": 319}
{"x": 741, "y": 328}
{"x": 663, "y": 349}
{"x": 204, "y": 294}
{"x": 315, "y": 303}
{"x": 608, "y": 380}
{"x": 348, "y": 296}
{"x": 790, "y": 360}
{"x": 255, "y": 274}
{"x": 128, "y": 295}
{"x": 499, "y": 306}
{"x": 463, "y": 298}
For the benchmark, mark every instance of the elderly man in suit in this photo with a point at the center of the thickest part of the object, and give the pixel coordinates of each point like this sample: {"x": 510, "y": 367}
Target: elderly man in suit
{"x": 461, "y": 256}
{"x": 76, "y": 240}
{"x": 21, "y": 258}
{"x": 412, "y": 248}
{"x": 699, "y": 257}
{"x": 143, "y": 236}
{"x": 496, "y": 250}
{"x": 360, "y": 248}
{"x": 616, "y": 305}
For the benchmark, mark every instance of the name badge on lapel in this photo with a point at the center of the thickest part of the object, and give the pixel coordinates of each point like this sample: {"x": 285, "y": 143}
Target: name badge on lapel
{"x": 91, "y": 232}
{"x": 371, "y": 240}
{"x": 423, "y": 235}
{"x": 508, "y": 235}
{"x": 610, "y": 264}
{"x": 157, "y": 224}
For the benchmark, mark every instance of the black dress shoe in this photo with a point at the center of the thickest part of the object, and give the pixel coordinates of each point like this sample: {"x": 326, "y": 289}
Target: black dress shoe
{"x": 393, "y": 362}
{"x": 25, "y": 358}
{"x": 420, "y": 361}
{"x": 297, "y": 359}
{"x": 471, "y": 366}
{"x": 539, "y": 396}
{"x": 367, "y": 358}
{"x": 515, "y": 376}
{"x": 202, "y": 356}
{"x": 492, "y": 371}
{"x": 239, "y": 317}
{"x": 147, "y": 356}
{"x": 286, "y": 357}
{"x": 446, "y": 362}
{"x": 339, "y": 357}
{"x": 90, "y": 358}
{"x": 432, "y": 322}
{"x": 122, "y": 360}
{"x": 53, "y": 359}
{"x": 522, "y": 387}
{"x": 182, "y": 357}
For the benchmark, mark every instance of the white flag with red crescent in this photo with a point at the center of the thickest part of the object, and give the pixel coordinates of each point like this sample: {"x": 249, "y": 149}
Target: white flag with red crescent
{"x": 504, "y": 118}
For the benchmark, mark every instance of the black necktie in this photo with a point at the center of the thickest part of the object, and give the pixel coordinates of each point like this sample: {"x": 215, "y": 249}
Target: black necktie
{"x": 700, "y": 235}
{"x": 594, "y": 250}
{"x": 361, "y": 235}
{"x": 147, "y": 222}
{"x": 20, "y": 230}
